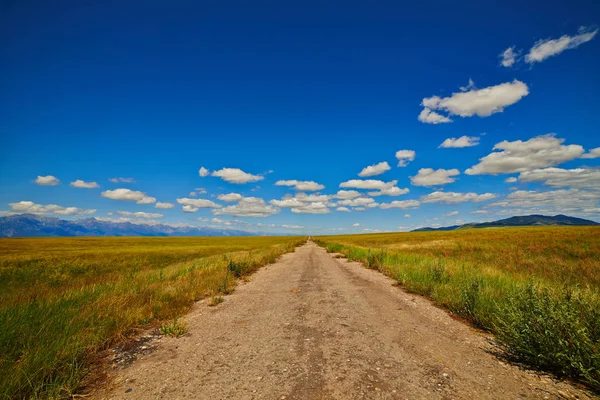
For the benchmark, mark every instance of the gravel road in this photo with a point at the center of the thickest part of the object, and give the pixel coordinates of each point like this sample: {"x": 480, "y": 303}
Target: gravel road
{"x": 312, "y": 326}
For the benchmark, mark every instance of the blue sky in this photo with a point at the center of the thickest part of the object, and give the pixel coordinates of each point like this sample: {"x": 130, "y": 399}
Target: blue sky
{"x": 312, "y": 92}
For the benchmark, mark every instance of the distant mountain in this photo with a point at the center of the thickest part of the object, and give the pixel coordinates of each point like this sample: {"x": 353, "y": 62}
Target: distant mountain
{"x": 526, "y": 220}
{"x": 30, "y": 225}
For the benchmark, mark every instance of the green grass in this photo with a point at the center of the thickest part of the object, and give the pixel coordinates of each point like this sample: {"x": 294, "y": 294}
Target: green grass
{"x": 536, "y": 289}
{"x": 64, "y": 300}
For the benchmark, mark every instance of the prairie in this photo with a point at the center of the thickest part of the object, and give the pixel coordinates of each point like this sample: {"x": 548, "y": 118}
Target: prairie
{"x": 62, "y": 300}
{"x": 537, "y": 288}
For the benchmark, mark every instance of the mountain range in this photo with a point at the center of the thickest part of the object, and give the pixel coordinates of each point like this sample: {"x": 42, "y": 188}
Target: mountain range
{"x": 525, "y": 220}
{"x": 31, "y": 225}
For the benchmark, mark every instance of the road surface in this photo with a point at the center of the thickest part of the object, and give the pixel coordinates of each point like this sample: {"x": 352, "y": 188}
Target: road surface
{"x": 312, "y": 326}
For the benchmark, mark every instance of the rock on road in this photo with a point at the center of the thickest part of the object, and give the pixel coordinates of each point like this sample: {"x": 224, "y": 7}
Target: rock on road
{"x": 312, "y": 326}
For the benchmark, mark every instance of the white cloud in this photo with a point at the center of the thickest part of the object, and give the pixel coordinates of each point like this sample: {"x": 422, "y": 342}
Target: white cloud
{"x": 292, "y": 226}
{"x": 508, "y": 57}
{"x": 593, "y": 153}
{"x": 581, "y": 178}
{"x": 356, "y": 225}
{"x": 368, "y": 184}
{"x": 230, "y": 197}
{"x": 393, "y": 191}
{"x": 193, "y": 194}
{"x": 407, "y": 215}
{"x": 140, "y": 214}
{"x": 463, "y": 141}
{"x": 479, "y": 212}
{"x": 428, "y": 116}
{"x": 358, "y": 202}
{"x": 248, "y": 207}
{"x": 481, "y": 102}
{"x": 164, "y": 205}
{"x": 404, "y": 204}
{"x": 310, "y": 198}
{"x": 203, "y": 172}
{"x": 546, "y": 48}
{"x": 376, "y": 169}
{"x": 456, "y": 198}
{"x": 519, "y": 156}
{"x": 563, "y": 201}
{"x": 236, "y": 175}
{"x": 30, "y": 207}
{"x": 308, "y": 186}
{"x": 193, "y": 205}
{"x": 343, "y": 209}
{"x": 312, "y": 208}
{"x": 359, "y": 208}
{"x": 129, "y": 195}
{"x": 451, "y": 214}
{"x": 405, "y": 156}
{"x": 200, "y": 190}
{"x": 347, "y": 194}
{"x": 122, "y": 180}
{"x": 512, "y": 179}
{"x": 48, "y": 180}
{"x": 431, "y": 177}
{"x": 287, "y": 202}
{"x": 84, "y": 185}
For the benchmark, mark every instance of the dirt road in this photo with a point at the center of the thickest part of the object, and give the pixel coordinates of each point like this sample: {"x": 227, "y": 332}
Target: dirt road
{"x": 315, "y": 327}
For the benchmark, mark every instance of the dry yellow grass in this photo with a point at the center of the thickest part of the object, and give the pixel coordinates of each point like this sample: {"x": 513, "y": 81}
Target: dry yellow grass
{"x": 537, "y": 288}
{"x": 62, "y": 300}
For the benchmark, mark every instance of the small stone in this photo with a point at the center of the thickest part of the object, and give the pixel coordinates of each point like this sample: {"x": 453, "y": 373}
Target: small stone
{"x": 446, "y": 375}
{"x": 129, "y": 390}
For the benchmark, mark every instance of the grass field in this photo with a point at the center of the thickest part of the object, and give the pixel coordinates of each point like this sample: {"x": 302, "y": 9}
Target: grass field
{"x": 63, "y": 300}
{"x": 537, "y": 289}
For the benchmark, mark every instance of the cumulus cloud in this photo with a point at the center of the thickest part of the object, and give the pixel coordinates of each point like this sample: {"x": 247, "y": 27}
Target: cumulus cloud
{"x": 84, "y": 185}
{"x": 407, "y": 215}
{"x": 593, "y": 153}
{"x": 431, "y": 177}
{"x": 292, "y": 226}
{"x": 30, "y": 207}
{"x": 368, "y": 184}
{"x": 347, "y": 194}
{"x": 129, "y": 195}
{"x": 404, "y": 204}
{"x": 203, "y": 172}
{"x": 358, "y": 202}
{"x": 308, "y": 186}
{"x": 312, "y": 208}
{"x": 481, "y": 102}
{"x": 546, "y": 48}
{"x": 164, "y": 205}
{"x": 508, "y": 57}
{"x": 451, "y": 214}
{"x": 512, "y": 179}
{"x": 288, "y": 202}
{"x": 48, "y": 180}
{"x": 310, "y": 198}
{"x": 393, "y": 191}
{"x": 405, "y": 156}
{"x": 356, "y": 225}
{"x": 122, "y": 180}
{"x": 456, "y": 198}
{"x": 428, "y": 116}
{"x": 236, "y": 175}
{"x": 230, "y": 197}
{"x": 140, "y": 214}
{"x": 563, "y": 201}
{"x": 582, "y": 178}
{"x": 248, "y": 207}
{"x": 376, "y": 169}
{"x": 463, "y": 141}
{"x": 343, "y": 209}
{"x": 193, "y": 205}
{"x": 519, "y": 156}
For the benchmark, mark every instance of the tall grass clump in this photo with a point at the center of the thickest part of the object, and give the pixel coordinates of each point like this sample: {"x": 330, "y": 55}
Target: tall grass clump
{"x": 536, "y": 289}
{"x": 64, "y": 300}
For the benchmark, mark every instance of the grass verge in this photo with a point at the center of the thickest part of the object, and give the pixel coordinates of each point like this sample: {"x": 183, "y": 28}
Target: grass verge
{"x": 541, "y": 306}
{"x": 64, "y": 300}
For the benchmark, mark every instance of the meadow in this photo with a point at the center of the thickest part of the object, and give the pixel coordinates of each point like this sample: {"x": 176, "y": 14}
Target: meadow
{"x": 537, "y": 288}
{"x": 64, "y": 300}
